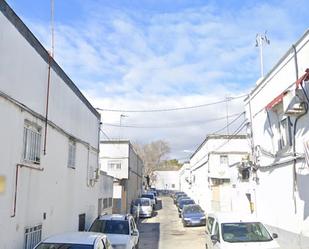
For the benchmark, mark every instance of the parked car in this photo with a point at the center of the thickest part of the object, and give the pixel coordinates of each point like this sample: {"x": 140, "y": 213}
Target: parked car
{"x": 120, "y": 229}
{"x": 193, "y": 215}
{"x": 76, "y": 240}
{"x": 151, "y": 197}
{"x": 179, "y": 196}
{"x": 175, "y": 194}
{"x": 183, "y": 202}
{"x": 228, "y": 230}
{"x": 155, "y": 195}
{"x": 142, "y": 207}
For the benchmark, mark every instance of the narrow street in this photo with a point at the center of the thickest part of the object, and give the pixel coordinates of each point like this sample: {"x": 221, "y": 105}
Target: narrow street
{"x": 165, "y": 230}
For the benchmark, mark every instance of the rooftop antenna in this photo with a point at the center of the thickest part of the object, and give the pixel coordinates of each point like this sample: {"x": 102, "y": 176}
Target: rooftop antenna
{"x": 261, "y": 40}
{"x": 52, "y": 28}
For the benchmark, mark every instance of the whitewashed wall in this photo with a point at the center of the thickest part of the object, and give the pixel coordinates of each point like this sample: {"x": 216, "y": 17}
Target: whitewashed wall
{"x": 168, "y": 180}
{"x": 59, "y": 192}
{"x": 185, "y": 179}
{"x": 278, "y": 203}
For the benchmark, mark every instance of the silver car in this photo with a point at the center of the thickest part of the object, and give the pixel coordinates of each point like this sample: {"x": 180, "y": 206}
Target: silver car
{"x": 142, "y": 207}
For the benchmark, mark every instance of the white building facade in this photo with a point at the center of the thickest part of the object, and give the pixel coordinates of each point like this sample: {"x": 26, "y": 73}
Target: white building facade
{"x": 166, "y": 179}
{"x": 213, "y": 177}
{"x": 278, "y": 110}
{"x": 119, "y": 159}
{"x": 185, "y": 178}
{"x": 49, "y": 143}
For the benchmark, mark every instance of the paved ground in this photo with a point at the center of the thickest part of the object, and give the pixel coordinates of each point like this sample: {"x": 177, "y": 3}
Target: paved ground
{"x": 165, "y": 230}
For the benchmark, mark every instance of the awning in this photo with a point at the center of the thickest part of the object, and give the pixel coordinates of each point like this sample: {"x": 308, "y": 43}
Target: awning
{"x": 305, "y": 77}
{"x": 279, "y": 98}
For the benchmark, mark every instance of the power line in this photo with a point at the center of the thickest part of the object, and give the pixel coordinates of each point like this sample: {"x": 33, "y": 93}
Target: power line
{"x": 202, "y": 122}
{"x": 105, "y": 134}
{"x": 229, "y": 124}
{"x": 174, "y": 109}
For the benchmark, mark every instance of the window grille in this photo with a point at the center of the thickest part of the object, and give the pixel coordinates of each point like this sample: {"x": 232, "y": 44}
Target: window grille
{"x": 114, "y": 165}
{"x": 105, "y": 203}
{"x": 72, "y": 154}
{"x": 32, "y": 144}
{"x": 110, "y": 202}
{"x": 33, "y": 236}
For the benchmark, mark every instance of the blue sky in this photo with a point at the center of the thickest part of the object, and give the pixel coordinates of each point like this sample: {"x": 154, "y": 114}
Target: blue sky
{"x": 139, "y": 54}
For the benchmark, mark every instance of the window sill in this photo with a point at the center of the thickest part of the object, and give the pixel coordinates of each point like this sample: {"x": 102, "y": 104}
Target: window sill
{"x": 30, "y": 166}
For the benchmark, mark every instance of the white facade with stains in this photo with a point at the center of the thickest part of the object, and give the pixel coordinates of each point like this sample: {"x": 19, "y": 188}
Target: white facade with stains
{"x": 278, "y": 110}
{"x": 49, "y": 179}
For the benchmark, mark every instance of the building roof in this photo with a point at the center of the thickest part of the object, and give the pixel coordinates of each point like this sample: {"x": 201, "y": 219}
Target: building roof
{"x": 215, "y": 136}
{"x": 8, "y": 12}
{"x": 84, "y": 238}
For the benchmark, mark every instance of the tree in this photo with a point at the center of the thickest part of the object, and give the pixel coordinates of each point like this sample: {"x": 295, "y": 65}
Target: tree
{"x": 153, "y": 155}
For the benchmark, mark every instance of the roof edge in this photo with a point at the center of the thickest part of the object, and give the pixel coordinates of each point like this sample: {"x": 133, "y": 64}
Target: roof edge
{"x": 14, "y": 19}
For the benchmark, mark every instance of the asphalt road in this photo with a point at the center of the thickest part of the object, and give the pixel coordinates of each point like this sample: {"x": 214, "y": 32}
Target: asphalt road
{"x": 165, "y": 230}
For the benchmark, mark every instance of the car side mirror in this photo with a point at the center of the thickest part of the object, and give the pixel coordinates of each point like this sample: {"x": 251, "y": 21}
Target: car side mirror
{"x": 275, "y": 236}
{"x": 214, "y": 238}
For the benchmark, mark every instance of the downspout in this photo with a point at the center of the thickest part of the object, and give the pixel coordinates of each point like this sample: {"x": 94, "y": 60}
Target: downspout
{"x": 294, "y": 132}
{"x": 47, "y": 103}
{"x": 16, "y": 184}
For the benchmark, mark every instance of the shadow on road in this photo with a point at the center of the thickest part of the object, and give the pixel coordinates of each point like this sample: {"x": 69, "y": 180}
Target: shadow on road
{"x": 149, "y": 235}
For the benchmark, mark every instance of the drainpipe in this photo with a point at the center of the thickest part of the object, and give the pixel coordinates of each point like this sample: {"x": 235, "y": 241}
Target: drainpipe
{"x": 294, "y": 131}
{"x": 47, "y": 103}
{"x": 19, "y": 166}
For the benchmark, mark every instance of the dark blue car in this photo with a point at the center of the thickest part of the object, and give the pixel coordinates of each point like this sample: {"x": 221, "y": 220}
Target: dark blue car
{"x": 182, "y": 202}
{"x": 193, "y": 215}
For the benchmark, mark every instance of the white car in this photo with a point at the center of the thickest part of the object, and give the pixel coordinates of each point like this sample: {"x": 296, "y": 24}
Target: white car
{"x": 142, "y": 207}
{"x": 76, "y": 240}
{"x": 120, "y": 229}
{"x": 231, "y": 231}
{"x": 150, "y": 196}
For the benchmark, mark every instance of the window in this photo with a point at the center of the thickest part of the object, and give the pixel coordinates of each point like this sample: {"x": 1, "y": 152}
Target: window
{"x": 33, "y": 236}
{"x": 173, "y": 185}
{"x": 81, "y": 222}
{"x": 110, "y": 202}
{"x": 114, "y": 165}
{"x": 216, "y": 231}
{"x": 224, "y": 160}
{"x": 32, "y": 143}
{"x": 72, "y": 154}
{"x": 105, "y": 203}
{"x": 285, "y": 139}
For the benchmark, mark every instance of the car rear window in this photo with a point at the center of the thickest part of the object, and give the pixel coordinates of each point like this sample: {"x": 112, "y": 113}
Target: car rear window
{"x": 142, "y": 202}
{"x": 62, "y": 246}
{"x": 148, "y": 196}
{"x": 110, "y": 226}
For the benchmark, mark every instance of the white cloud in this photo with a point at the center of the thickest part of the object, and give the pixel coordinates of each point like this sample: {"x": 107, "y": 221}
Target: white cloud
{"x": 126, "y": 60}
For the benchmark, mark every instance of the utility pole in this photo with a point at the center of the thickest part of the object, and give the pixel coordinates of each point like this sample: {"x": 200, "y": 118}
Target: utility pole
{"x": 261, "y": 40}
{"x": 120, "y": 119}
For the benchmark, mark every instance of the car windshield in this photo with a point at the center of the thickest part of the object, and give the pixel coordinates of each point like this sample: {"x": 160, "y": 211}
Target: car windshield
{"x": 142, "y": 202}
{"x": 185, "y": 202}
{"x": 148, "y": 196}
{"x": 192, "y": 209}
{"x": 110, "y": 226}
{"x": 244, "y": 232}
{"x": 63, "y": 246}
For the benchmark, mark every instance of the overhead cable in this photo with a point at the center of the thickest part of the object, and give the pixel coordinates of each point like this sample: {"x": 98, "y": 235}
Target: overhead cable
{"x": 173, "y": 125}
{"x": 174, "y": 109}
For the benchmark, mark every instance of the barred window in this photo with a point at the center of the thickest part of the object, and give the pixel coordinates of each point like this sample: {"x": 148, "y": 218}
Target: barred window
{"x": 110, "y": 202}
{"x": 114, "y": 165}
{"x": 105, "y": 203}
{"x": 72, "y": 153}
{"x": 32, "y": 143}
{"x": 33, "y": 236}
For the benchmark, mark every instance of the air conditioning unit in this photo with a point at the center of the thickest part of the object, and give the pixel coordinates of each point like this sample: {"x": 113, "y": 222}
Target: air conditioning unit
{"x": 292, "y": 103}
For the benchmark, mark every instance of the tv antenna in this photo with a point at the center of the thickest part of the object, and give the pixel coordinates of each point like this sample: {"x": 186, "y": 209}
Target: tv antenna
{"x": 261, "y": 40}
